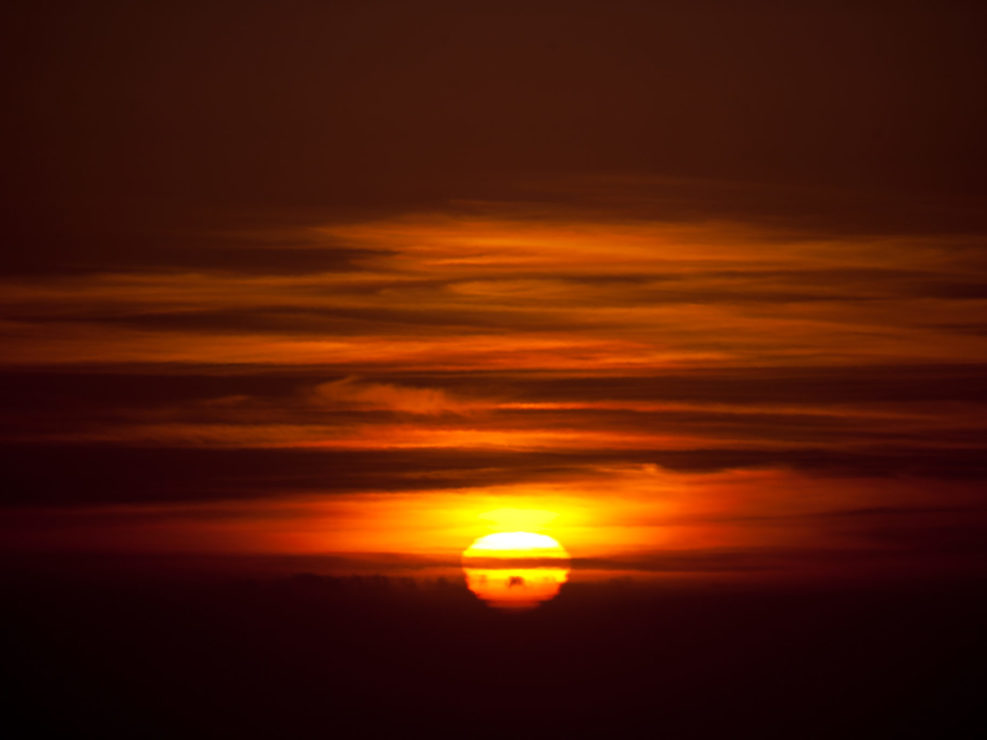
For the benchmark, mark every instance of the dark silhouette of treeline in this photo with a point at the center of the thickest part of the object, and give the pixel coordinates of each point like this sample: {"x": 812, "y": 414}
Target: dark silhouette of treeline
{"x": 124, "y": 656}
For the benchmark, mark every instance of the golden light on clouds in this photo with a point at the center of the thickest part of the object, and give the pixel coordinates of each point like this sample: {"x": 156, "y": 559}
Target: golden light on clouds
{"x": 624, "y": 385}
{"x": 505, "y": 292}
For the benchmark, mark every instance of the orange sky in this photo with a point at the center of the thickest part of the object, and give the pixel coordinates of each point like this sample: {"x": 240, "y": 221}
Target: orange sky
{"x": 704, "y": 283}
{"x": 661, "y": 390}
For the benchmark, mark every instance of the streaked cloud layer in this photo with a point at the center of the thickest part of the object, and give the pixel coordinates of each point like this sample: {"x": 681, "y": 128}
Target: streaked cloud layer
{"x": 690, "y": 386}
{"x": 708, "y": 278}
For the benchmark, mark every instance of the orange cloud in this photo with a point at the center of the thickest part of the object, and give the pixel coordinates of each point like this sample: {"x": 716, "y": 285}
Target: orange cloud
{"x": 428, "y": 401}
{"x": 528, "y": 350}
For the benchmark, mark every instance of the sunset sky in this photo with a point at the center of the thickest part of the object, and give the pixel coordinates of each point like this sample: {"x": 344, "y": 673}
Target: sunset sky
{"x": 691, "y": 287}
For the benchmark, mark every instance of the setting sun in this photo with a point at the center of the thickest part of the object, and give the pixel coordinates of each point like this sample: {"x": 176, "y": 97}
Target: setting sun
{"x": 515, "y": 570}
{"x": 516, "y": 545}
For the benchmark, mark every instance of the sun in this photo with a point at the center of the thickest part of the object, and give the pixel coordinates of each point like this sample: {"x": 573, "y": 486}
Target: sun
{"x": 516, "y": 545}
{"x": 515, "y": 571}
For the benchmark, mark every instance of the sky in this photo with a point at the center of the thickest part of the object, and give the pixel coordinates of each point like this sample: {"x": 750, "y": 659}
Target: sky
{"x": 690, "y": 286}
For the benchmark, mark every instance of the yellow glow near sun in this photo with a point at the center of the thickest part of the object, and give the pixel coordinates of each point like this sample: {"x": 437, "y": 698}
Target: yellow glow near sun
{"x": 514, "y": 519}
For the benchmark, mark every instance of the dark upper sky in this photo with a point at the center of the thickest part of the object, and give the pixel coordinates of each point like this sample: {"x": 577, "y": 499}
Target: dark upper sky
{"x": 141, "y": 117}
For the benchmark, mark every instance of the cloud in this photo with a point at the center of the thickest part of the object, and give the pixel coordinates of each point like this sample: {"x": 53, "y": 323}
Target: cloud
{"x": 499, "y": 346}
{"x": 351, "y": 391}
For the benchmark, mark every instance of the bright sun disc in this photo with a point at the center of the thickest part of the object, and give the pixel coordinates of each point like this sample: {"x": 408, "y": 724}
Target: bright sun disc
{"x": 522, "y": 545}
{"x": 515, "y": 570}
